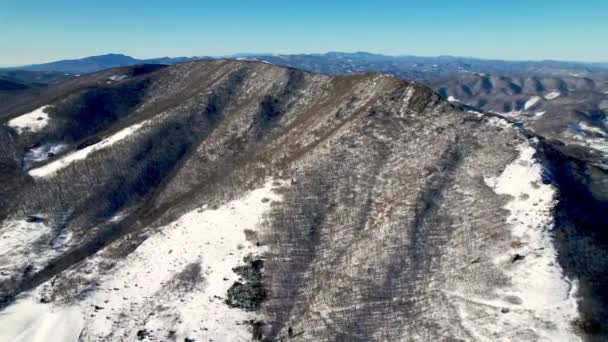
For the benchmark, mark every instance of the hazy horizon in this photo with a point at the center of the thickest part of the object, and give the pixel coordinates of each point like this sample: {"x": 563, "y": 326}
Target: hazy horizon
{"x": 310, "y": 53}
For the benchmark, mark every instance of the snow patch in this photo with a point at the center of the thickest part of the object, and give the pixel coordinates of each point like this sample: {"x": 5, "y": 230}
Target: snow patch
{"x": 591, "y": 129}
{"x": 545, "y": 302}
{"x": 589, "y": 136}
{"x": 23, "y": 243}
{"x": 531, "y": 102}
{"x": 41, "y": 153}
{"x": 52, "y": 167}
{"x": 512, "y": 114}
{"x": 552, "y": 95}
{"x": 141, "y": 292}
{"x": 30, "y": 321}
{"x": 117, "y": 78}
{"x": 498, "y": 122}
{"x": 452, "y": 99}
{"x": 33, "y": 122}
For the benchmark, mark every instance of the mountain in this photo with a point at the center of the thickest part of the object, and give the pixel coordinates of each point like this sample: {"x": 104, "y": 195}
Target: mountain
{"x": 412, "y": 67}
{"x": 569, "y": 108}
{"x": 425, "y": 68}
{"x": 97, "y": 63}
{"x": 20, "y": 79}
{"x": 84, "y": 65}
{"x": 16, "y": 82}
{"x": 238, "y": 200}
{"x": 567, "y": 101}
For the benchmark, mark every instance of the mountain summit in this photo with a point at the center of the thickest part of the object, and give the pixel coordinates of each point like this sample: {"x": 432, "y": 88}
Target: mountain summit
{"x": 101, "y": 62}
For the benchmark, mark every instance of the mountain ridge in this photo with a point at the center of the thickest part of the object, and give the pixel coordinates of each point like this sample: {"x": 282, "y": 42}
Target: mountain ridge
{"x": 360, "y": 195}
{"x": 99, "y": 62}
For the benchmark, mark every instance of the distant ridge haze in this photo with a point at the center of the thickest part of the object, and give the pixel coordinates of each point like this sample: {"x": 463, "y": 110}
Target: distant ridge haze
{"x": 111, "y": 60}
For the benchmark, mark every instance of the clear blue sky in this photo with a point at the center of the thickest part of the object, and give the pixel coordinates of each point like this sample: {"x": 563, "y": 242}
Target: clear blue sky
{"x": 37, "y": 31}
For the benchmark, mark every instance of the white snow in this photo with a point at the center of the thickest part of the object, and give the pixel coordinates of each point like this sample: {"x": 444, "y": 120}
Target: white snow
{"x": 117, "y": 78}
{"x": 531, "y": 102}
{"x": 140, "y": 291}
{"x": 18, "y": 234}
{"x": 33, "y": 122}
{"x": 452, "y": 99}
{"x": 25, "y": 243}
{"x": 498, "y": 122}
{"x": 31, "y": 321}
{"x": 539, "y": 114}
{"x": 547, "y": 298}
{"x": 52, "y": 167}
{"x": 552, "y": 95}
{"x": 592, "y": 129}
{"x": 599, "y": 143}
{"x": 512, "y": 114}
{"x": 41, "y": 153}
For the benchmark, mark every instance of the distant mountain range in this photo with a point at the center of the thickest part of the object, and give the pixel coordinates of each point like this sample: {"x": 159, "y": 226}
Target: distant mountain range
{"x": 364, "y": 61}
{"x": 97, "y": 63}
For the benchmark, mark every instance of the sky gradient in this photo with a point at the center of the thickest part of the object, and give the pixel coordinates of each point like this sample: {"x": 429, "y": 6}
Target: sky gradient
{"x": 42, "y": 31}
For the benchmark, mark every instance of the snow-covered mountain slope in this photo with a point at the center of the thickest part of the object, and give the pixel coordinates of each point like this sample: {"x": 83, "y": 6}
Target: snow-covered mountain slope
{"x": 236, "y": 200}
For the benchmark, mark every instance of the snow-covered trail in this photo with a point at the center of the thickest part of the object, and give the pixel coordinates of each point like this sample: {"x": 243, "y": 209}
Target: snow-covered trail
{"x": 56, "y": 165}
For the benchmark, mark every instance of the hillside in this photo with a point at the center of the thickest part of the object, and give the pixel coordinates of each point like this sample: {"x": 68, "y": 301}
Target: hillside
{"x": 238, "y": 200}
{"x": 567, "y": 101}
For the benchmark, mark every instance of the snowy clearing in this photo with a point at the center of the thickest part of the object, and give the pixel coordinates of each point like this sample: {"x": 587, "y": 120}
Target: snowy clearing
{"x": 552, "y": 95}
{"x": 24, "y": 244}
{"x": 452, "y": 99}
{"x": 33, "y": 122}
{"x": 156, "y": 289}
{"x": 58, "y": 164}
{"x": 41, "y": 153}
{"x": 542, "y": 301}
{"x": 531, "y": 102}
{"x": 117, "y": 78}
